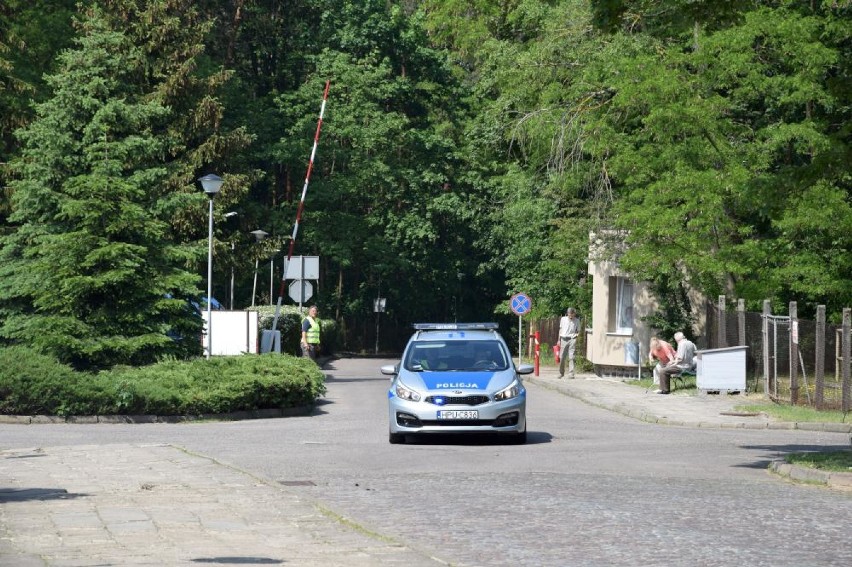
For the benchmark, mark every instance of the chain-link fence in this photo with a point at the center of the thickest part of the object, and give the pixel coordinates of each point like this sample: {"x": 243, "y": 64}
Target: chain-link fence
{"x": 792, "y": 360}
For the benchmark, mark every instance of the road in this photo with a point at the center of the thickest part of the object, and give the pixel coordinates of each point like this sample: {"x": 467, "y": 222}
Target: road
{"x": 590, "y": 488}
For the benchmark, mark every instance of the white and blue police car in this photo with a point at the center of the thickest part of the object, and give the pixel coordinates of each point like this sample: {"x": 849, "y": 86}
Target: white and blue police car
{"x": 456, "y": 378}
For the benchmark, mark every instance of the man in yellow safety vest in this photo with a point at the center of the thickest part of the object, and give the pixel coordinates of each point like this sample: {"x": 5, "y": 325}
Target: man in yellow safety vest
{"x": 311, "y": 334}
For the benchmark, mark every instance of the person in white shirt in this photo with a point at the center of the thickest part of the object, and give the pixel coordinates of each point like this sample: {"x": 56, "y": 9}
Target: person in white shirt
{"x": 684, "y": 360}
{"x": 569, "y": 328}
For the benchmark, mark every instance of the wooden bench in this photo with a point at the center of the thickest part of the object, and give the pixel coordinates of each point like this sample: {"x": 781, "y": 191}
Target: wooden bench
{"x": 679, "y": 377}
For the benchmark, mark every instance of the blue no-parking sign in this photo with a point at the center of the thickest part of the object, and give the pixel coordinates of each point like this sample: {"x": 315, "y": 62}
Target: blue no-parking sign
{"x": 520, "y": 304}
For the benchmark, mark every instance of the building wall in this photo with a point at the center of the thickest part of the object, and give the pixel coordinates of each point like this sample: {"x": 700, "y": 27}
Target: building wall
{"x": 607, "y": 347}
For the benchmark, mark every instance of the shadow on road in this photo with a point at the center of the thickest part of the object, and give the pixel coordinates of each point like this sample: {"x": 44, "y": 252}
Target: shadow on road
{"x": 477, "y": 440}
{"x": 24, "y": 494}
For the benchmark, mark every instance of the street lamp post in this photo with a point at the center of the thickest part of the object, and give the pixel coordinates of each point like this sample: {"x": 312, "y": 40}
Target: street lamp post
{"x": 233, "y": 248}
{"x": 259, "y": 235}
{"x": 211, "y": 185}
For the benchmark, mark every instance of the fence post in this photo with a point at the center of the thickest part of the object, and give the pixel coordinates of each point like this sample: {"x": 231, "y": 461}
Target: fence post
{"x": 794, "y": 354}
{"x": 767, "y": 311}
{"x": 819, "y": 366}
{"x": 741, "y": 322}
{"x": 847, "y": 323}
{"x": 721, "y": 338}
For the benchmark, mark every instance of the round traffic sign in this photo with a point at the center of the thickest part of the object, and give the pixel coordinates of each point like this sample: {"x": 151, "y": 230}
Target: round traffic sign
{"x": 301, "y": 290}
{"x": 520, "y": 304}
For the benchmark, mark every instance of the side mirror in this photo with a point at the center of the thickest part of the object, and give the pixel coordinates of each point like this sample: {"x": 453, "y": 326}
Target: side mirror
{"x": 525, "y": 369}
{"x": 390, "y": 369}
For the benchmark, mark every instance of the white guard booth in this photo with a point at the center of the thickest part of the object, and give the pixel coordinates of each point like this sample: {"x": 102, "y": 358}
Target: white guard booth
{"x": 721, "y": 369}
{"x": 234, "y": 332}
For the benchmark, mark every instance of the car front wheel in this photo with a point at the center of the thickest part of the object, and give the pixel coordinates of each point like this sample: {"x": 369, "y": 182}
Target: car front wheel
{"x": 520, "y": 438}
{"x": 396, "y": 438}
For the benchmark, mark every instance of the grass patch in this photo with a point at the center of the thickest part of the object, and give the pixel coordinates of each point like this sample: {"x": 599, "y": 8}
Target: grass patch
{"x": 795, "y": 413}
{"x": 688, "y": 384}
{"x": 835, "y": 461}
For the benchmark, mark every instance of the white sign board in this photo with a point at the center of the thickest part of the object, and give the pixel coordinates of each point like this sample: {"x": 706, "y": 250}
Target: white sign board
{"x": 301, "y": 268}
{"x": 301, "y": 291}
{"x": 721, "y": 369}
{"x": 234, "y": 332}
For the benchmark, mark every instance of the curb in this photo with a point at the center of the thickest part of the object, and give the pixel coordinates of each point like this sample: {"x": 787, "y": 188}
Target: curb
{"x": 832, "y": 479}
{"x": 300, "y": 411}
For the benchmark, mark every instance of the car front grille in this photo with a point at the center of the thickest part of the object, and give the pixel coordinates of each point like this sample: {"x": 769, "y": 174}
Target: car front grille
{"x": 474, "y": 400}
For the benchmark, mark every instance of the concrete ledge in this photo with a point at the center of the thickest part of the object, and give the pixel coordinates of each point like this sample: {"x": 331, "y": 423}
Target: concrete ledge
{"x": 94, "y": 419}
{"x": 838, "y": 480}
{"x": 827, "y": 427}
{"x": 16, "y": 419}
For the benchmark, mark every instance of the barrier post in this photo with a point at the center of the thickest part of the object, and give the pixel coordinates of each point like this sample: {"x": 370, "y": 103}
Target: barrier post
{"x": 537, "y": 352}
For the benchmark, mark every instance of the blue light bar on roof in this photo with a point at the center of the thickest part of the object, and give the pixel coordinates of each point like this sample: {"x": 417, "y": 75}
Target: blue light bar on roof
{"x": 455, "y": 326}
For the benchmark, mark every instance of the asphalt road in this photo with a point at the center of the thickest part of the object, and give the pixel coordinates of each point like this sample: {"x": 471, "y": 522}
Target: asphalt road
{"x": 590, "y": 488}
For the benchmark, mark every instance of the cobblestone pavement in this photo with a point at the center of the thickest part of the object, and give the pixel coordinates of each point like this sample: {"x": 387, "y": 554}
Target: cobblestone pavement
{"x": 714, "y": 410}
{"x": 155, "y": 504}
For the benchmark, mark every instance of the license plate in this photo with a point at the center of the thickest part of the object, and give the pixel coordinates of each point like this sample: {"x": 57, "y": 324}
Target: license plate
{"x": 458, "y": 414}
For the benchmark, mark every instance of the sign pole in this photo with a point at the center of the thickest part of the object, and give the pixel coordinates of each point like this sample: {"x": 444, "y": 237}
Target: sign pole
{"x": 520, "y": 343}
{"x": 302, "y": 296}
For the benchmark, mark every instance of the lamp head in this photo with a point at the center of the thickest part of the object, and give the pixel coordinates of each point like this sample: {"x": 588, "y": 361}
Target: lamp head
{"x": 211, "y": 184}
{"x": 259, "y": 234}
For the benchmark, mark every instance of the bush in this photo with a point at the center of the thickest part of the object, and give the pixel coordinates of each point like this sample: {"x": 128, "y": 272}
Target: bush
{"x": 35, "y": 384}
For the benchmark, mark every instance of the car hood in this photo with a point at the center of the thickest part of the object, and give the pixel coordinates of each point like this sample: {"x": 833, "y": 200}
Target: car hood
{"x": 459, "y": 380}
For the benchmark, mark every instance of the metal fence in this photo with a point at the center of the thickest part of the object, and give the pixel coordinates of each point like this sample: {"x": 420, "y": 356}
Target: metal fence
{"x": 792, "y": 360}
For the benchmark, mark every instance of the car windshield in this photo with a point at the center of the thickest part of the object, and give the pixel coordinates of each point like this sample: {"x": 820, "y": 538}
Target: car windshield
{"x": 456, "y": 355}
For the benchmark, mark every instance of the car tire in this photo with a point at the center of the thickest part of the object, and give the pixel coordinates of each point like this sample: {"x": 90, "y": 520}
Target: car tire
{"x": 520, "y": 438}
{"x": 396, "y": 438}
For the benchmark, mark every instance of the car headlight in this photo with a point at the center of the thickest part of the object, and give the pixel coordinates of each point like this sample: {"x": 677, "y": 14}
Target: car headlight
{"x": 404, "y": 393}
{"x": 513, "y": 391}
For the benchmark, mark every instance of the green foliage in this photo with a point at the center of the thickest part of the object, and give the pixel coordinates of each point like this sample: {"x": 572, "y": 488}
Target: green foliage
{"x": 839, "y": 461}
{"x": 796, "y": 414}
{"x": 36, "y": 384}
{"x": 89, "y": 274}
{"x": 674, "y": 313}
{"x": 705, "y": 131}
{"x": 218, "y": 385}
{"x": 384, "y": 207}
{"x": 468, "y": 149}
{"x": 720, "y": 172}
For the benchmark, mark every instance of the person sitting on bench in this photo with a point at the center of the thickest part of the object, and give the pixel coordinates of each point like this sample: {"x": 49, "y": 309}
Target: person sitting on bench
{"x": 684, "y": 361}
{"x": 663, "y": 353}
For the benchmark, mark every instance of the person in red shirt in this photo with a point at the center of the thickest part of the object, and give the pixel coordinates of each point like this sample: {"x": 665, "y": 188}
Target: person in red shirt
{"x": 664, "y": 354}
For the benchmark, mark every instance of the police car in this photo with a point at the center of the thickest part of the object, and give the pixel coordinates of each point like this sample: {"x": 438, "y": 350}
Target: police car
{"x": 456, "y": 378}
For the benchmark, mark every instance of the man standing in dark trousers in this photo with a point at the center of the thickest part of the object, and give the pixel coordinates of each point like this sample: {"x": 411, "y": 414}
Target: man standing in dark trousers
{"x": 569, "y": 328}
{"x": 311, "y": 334}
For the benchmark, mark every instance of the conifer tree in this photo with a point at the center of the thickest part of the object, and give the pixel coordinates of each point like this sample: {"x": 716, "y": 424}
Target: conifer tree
{"x": 88, "y": 273}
